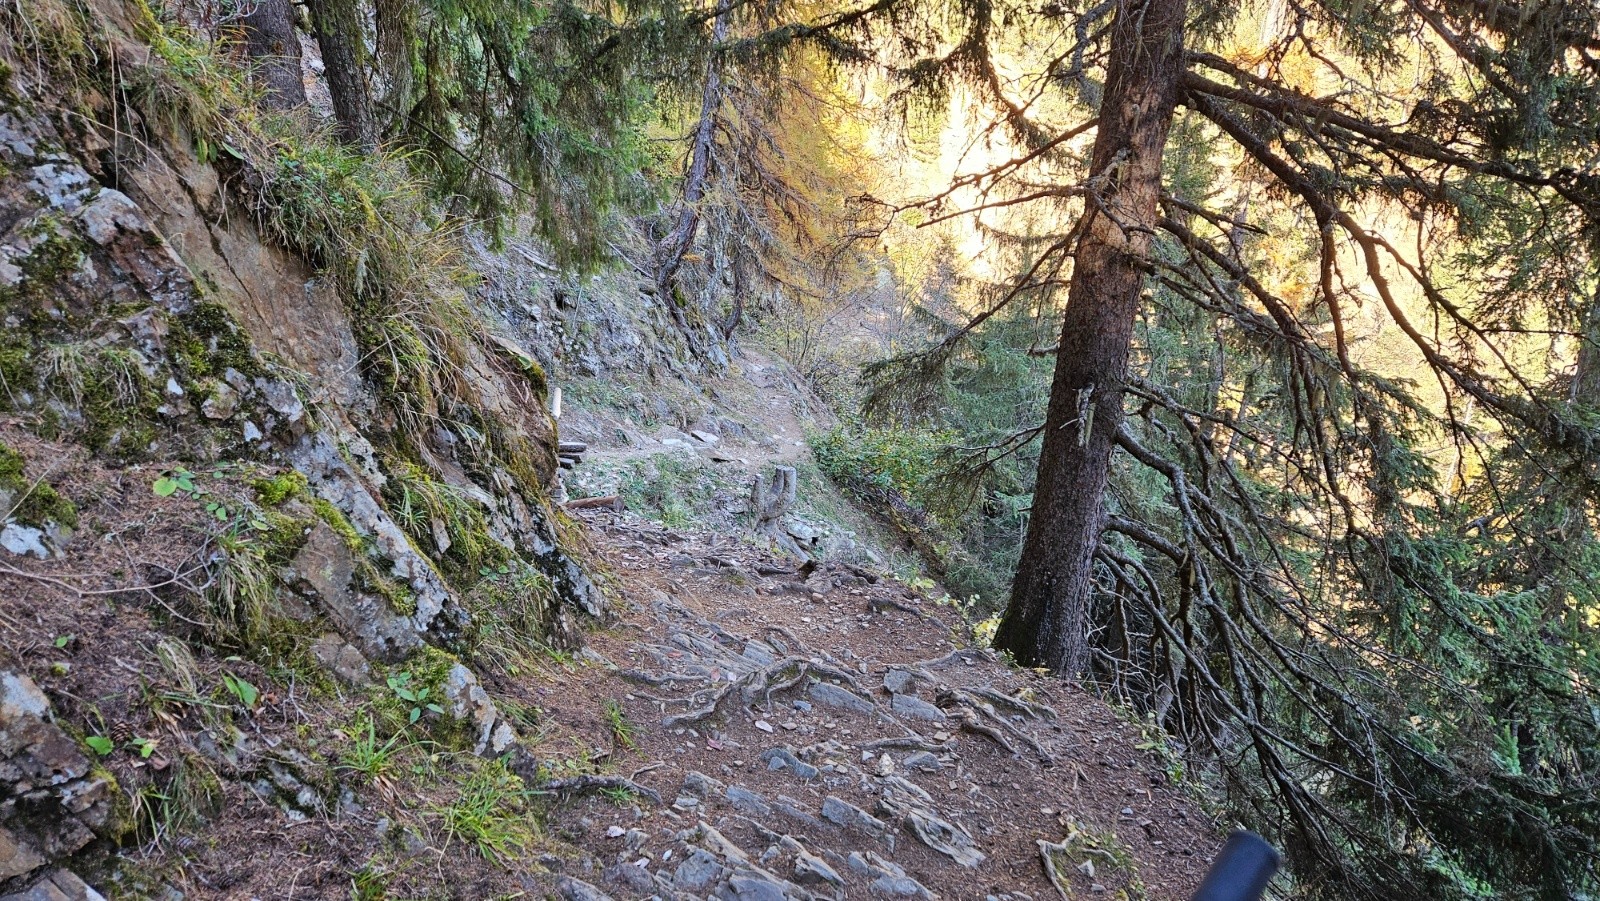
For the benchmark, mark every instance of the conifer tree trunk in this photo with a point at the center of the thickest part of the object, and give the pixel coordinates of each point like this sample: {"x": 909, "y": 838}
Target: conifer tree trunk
{"x": 671, "y": 250}
{"x": 1047, "y": 621}
{"x": 338, "y": 28}
{"x": 271, "y": 42}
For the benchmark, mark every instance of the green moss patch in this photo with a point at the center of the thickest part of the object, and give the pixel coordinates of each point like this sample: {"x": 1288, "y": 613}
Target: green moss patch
{"x": 206, "y": 342}
{"x": 35, "y": 503}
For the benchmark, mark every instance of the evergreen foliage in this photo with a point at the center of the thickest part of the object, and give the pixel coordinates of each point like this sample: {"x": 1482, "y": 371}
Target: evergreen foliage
{"x": 1348, "y": 539}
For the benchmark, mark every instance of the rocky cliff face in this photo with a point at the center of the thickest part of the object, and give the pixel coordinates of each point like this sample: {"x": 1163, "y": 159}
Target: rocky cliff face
{"x": 149, "y": 317}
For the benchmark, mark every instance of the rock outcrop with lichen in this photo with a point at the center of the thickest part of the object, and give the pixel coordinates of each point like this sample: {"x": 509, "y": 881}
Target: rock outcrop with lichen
{"x": 146, "y": 314}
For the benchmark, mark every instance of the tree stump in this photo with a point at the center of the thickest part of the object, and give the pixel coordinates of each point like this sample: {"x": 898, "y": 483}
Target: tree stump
{"x": 769, "y": 501}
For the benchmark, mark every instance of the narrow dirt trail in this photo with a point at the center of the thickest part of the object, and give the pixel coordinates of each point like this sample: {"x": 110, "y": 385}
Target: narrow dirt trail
{"x": 821, "y": 737}
{"x": 762, "y": 399}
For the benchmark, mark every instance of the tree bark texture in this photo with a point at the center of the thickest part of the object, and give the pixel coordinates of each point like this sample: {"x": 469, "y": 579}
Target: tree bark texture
{"x": 270, "y": 40}
{"x": 1047, "y": 622}
{"x": 670, "y": 252}
{"x": 338, "y": 28}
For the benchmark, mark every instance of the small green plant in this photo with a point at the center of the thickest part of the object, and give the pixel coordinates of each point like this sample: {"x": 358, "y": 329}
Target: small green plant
{"x": 188, "y": 794}
{"x": 176, "y": 481}
{"x": 63, "y": 640}
{"x": 100, "y": 745}
{"x": 367, "y": 755}
{"x": 241, "y": 595}
{"x": 442, "y": 515}
{"x": 246, "y": 693}
{"x": 623, "y": 732}
{"x": 618, "y": 795}
{"x": 510, "y": 608}
{"x": 144, "y": 747}
{"x": 1085, "y": 850}
{"x": 404, "y": 686}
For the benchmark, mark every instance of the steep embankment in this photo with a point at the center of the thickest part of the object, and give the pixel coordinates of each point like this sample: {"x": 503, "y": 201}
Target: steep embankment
{"x": 231, "y": 477}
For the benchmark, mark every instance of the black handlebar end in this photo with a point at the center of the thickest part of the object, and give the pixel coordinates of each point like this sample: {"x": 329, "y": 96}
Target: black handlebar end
{"x": 1242, "y": 871}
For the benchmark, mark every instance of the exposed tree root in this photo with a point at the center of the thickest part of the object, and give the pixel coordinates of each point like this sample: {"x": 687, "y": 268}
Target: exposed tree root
{"x": 978, "y": 715}
{"x": 578, "y": 785}
{"x": 908, "y": 742}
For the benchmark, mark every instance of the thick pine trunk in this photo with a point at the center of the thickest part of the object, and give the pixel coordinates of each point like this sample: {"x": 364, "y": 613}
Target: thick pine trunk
{"x": 1047, "y": 622}
{"x": 270, "y": 40}
{"x": 338, "y": 27}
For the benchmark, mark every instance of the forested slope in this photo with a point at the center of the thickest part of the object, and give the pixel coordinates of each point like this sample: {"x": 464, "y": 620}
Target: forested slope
{"x": 1229, "y": 364}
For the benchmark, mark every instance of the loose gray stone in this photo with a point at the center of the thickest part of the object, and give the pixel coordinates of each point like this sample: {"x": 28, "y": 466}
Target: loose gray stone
{"x": 630, "y": 876}
{"x": 758, "y": 652}
{"x": 468, "y": 702}
{"x": 221, "y": 403}
{"x": 779, "y": 758}
{"x": 870, "y": 864}
{"x": 24, "y": 541}
{"x": 61, "y": 885}
{"x": 901, "y": 791}
{"x": 746, "y": 801}
{"x": 849, "y": 816}
{"x": 945, "y": 837}
{"x": 899, "y": 887}
{"x": 572, "y": 889}
{"x": 16, "y": 858}
{"x": 924, "y": 761}
{"x": 900, "y": 682}
{"x": 698, "y": 871}
{"x": 756, "y": 888}
{"x": 834, "y": 696}
{"x": 810, "y": 869}
{"x": 63, "y": 802}
{"x": 907, "y": 705}
{"x": 702, "y": 786}
{"x": 342, "y": 659}
{"x": 795, "y": 810}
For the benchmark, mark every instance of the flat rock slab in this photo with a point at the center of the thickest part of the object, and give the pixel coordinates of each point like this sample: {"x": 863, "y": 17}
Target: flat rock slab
{"x": 697, "y": 872}
{"x": 833, "y": 696}
{"x": 843, "y": 813}
{"x": 60, "y": 885}
{"x": 907, "y": 705}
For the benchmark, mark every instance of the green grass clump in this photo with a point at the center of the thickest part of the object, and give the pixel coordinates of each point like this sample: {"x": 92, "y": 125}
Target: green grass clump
{"x": 492, "y": 815}
{"x": 422, "y": 505}
{"x": 510, "y": 608}
{"x": 673, "y": 489}
{"x": 623, "y": 732}
{"x": 866, "y": 459}
{"x": 206, "y": 342}
{"x": 274, "y": 491}
{"x": 369, "y": 756}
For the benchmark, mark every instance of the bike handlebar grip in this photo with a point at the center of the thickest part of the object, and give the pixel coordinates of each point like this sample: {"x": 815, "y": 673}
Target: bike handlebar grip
{"x": 1242, "y": 871}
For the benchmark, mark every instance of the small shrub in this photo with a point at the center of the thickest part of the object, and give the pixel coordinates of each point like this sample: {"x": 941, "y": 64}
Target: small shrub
{"x": 872, "y": 459}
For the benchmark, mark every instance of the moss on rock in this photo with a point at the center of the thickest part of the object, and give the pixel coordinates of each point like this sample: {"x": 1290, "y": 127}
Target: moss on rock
{"x": 33, "y": 503}
{"x": 206, "y": 342}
